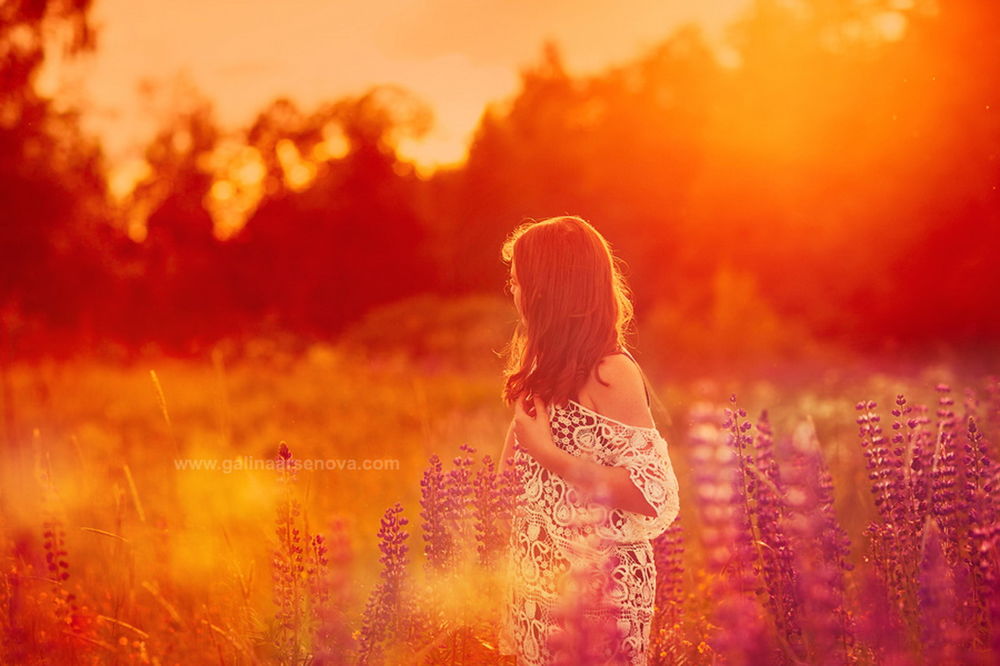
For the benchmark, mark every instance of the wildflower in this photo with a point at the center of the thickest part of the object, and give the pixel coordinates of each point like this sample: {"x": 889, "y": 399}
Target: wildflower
{"x": 946, "y": 638}
{"x": 288, "y": 561}
{"x": 488, "y": 504}
{"x": 742, "y": 630}
{"x": 668, "y": 553}
{"x": 822, "y": 549}
{"x": 437, "y": 509}
{"x": 386, "y": 610}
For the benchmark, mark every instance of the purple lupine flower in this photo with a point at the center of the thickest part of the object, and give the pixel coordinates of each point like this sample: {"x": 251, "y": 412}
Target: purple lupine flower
{"x": 286, "y": 464}
{"x": 288, "y": 561}
{"x": 744, "y": 636}
{"x": 316, "y": 569}
{"x": 392, "y": 543}
{"x": 488, "y": 505}
{"x": 921, "y": 463}
{"x": 54, "y": 537}
{"x": 880, "y": 462}
{"x": 970, "y": 405}
{"x": 875, "y": 451}
{"x": 761, "y": 539}
{"x": 375, "y": 625}
{"x": 893, "y": 539}
{"x": 332, "y": 595}
{"x": 386, "y": 610}
{"x": 881, "y": 628}
{"x": 979, "y": 470}
{"x": 986, "y": 560}
{"x": 437, "y": 510}
{"x": 740, "y": 440}
{"x": 65, "y": 609}
{"x": 459, "y": 488}
{"x": 903, "y": 509}
{"x": 764, "y": 447}
{"x": 319, "y": 591}
{"x": 713, "y": 468}
{"x": 742, "y": 633}
{"x": 946, "y": 504}
{"x": 982, "y": 514}
{"x": 945, "y": 636}
{"x": 668, "y": 553}
{"x": 511, "y": 485}
{"x": 820, "y": 546}
{"x": 777, "y": 566}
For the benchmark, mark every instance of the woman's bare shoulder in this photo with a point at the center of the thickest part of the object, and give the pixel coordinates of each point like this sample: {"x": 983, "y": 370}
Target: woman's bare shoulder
{"x": 624, "y": 397}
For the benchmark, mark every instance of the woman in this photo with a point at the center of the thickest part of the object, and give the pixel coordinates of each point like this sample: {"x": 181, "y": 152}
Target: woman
{"x": 595, "y": 478}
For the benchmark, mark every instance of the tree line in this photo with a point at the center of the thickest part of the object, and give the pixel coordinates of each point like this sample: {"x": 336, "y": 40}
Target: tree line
{"x": 836, "y": 176}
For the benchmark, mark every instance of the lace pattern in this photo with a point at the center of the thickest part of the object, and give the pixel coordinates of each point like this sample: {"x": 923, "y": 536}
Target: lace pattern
{"x": 555, "y": 531}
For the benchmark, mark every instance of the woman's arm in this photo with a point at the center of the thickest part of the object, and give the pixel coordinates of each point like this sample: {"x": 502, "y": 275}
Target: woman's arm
{"x": 612, "y": 486}
{"x": 508, "y": 449}
{"x": 622, "y": 400}
{"x": 508, "y": 446}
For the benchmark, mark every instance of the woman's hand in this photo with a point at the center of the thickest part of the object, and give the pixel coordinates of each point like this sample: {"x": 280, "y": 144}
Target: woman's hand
{"x": 533, "y": 431}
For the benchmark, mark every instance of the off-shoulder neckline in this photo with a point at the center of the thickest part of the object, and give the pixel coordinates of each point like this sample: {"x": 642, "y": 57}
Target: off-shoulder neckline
{"x": 608, "y": 418}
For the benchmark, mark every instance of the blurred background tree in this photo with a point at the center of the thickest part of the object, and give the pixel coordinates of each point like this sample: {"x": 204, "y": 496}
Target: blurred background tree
{"x": 55, "y": 244}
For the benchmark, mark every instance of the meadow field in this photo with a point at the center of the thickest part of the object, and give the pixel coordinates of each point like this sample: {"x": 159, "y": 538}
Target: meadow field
{"x": 122, "y": 543}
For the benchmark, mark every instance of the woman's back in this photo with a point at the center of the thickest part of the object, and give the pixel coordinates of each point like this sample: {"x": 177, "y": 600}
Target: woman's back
{"x": 611, "y": 388}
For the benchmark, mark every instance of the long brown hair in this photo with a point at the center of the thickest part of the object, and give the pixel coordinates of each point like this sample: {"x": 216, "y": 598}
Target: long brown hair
{"x": 576, "y": 304}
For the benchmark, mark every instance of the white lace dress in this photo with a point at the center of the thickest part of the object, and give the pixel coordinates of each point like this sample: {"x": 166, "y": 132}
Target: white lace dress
{"x": 554, "y": 531}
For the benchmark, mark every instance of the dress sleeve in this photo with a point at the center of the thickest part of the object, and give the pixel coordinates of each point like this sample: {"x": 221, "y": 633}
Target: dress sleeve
{"x": 645, "y": 456}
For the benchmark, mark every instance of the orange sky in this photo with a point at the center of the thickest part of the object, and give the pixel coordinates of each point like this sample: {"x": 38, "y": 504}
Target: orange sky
{"x": 457, "y": 55}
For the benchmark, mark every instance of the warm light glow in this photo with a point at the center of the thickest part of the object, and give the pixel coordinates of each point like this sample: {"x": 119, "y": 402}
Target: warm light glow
{"x": 239, "y": 170}
{"x": 123, "y": 179}
{"x": 135, "y": 223}
{"x": 249, "y": 169}
{"x": 426, "y": 157}
{"x": 223, "y": 190}
{"x": 890, "y": 25}
{"x": 298, "y": 172}
{"x": 455, "y": 66}
{"x": 333, "y": 146}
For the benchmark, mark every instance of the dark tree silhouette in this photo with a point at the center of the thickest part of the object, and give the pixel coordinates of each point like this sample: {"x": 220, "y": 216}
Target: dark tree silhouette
{"x": 834, "y": 177}
{"x": 56, "y": 247}
{"x": 317, "y": 259}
